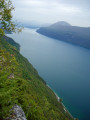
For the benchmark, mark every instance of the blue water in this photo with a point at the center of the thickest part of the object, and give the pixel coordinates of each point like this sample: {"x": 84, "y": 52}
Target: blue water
{"x": 65, "y": 68}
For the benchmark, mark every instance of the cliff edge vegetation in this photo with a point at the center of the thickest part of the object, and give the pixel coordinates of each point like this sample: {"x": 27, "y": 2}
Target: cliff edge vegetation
{"x": 20, "y": 84}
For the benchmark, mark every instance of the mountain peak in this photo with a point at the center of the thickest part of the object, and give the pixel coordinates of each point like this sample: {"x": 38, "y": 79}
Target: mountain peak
{"x": 60, "y": 23}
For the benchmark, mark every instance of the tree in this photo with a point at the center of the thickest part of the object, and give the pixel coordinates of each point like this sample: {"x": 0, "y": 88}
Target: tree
{"x": 6, "y": 23}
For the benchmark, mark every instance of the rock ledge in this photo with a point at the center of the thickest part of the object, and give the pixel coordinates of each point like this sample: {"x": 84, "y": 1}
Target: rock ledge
{"x": 17, "y": 113}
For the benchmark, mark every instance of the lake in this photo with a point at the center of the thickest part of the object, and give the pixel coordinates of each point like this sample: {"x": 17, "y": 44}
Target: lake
{"x": 65, "y": 68}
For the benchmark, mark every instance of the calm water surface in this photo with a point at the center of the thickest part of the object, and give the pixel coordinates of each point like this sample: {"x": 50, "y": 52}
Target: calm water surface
{"x": 65, "y": 67}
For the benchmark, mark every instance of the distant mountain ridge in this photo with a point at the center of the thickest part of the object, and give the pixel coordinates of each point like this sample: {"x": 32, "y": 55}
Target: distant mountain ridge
{"x": 60, "y": 23}
{"x": 65, "y": 32}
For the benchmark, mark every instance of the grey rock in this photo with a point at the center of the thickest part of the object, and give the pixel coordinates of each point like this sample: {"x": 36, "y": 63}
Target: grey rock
{"x": 17, "y": 113}
{"x": 11, "y": 76}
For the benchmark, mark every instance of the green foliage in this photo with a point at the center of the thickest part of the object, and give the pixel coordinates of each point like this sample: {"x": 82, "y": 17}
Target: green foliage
{"x": 6, "y": 22}
{"x": 12, "y": 42}
{"x": 5, "y": 15}
{"x": 1, "y": 32}
{"x": 26, "y": 75}
{"x": 26, "y": 89}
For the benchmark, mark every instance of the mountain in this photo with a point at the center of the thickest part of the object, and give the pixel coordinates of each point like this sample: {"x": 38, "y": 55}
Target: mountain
{"x": 60, "y": 23}
{"x": 21, "y": 85}
{"x": 12, "y": 42}
{"x": 65, "y": 32}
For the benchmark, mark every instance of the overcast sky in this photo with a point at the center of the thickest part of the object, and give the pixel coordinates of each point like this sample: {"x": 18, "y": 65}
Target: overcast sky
{"x": 76, "y": 12}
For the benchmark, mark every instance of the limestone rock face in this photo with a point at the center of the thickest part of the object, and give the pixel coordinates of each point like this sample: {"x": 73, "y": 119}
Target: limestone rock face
{"x": 17, "y": 113}
{"x": 11, "y": 76}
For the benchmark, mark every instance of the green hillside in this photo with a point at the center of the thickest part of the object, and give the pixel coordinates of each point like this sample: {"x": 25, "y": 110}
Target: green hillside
{"x": 20, "y": 84}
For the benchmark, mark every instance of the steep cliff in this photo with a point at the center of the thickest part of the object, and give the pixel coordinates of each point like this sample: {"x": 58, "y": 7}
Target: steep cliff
{"x": 20, "y": 84}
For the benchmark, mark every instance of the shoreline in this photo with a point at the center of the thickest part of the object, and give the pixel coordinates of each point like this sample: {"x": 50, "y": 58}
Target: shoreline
{"x": 58, "y": 98}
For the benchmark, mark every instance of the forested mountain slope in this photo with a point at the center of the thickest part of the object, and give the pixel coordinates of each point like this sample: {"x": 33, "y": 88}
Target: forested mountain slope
{"x": 20, "y": 84}
{"x": 63, "y": 31}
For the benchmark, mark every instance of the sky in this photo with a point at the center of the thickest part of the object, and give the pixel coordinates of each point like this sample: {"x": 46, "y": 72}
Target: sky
{"x": 75, "y": 12}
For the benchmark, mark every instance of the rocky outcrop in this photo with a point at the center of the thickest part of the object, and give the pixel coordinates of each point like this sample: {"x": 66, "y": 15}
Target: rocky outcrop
{"x": 11, "y": 76}
{"x": 17, "y": 113}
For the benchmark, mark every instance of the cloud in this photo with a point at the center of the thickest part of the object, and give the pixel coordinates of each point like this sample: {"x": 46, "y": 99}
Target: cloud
{"x": 49, "y": 11}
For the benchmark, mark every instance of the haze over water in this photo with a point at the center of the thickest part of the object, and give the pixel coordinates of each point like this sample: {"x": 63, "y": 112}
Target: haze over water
{"x": 65, "y": 68}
